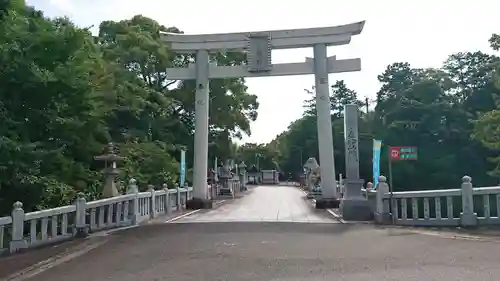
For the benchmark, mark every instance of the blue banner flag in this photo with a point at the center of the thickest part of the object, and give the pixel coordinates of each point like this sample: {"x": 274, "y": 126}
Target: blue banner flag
{"x": 377, "y": 146}
{"x": 183, "y": 168}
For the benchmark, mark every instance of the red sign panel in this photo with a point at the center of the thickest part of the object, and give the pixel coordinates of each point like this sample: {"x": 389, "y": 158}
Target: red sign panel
{"x": 403, "y": 153}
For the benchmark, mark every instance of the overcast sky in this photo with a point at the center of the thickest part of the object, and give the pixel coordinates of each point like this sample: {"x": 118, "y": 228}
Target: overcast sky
{"x": 422, "y": 33}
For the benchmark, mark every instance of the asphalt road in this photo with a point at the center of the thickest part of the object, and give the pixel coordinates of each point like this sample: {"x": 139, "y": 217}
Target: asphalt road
{"x": 279, "y": 251}
{"x": 276, "y": 250}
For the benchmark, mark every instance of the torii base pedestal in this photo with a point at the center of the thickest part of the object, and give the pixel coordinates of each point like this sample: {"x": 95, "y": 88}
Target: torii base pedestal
{"x": 198, "y": 203}
{"x": 327, "y": 203}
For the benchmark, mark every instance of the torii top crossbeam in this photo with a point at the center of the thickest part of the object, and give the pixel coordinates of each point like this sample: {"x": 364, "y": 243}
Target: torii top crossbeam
{"x": 279, "y": 39}
{"x": 258, "y": 46}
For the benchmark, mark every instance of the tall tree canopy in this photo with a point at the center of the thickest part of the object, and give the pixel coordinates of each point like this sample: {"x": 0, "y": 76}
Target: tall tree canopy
{"x": 64, "y": 94}
{"x": 451, "y": 114}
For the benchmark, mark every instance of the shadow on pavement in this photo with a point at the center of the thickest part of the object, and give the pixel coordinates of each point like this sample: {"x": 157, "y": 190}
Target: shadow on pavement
{"x": 239, "y": 227}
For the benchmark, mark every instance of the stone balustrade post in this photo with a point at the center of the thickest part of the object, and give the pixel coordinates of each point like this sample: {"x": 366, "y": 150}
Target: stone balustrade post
{"x": 179, "y": 202}
{"x": 81, "y": 226}
{"x": 188, "y": 195}
{"x": 18, "y": 242}
{"x": 134, "y": 213}
{"x": 341, "y": 185}
{"x": 152, "y": 205}
{"x": 467, "y": 216}
{"x": 232, "y": 187}
{"x": 382, "y": 213}
{"x": 168, "y": 201}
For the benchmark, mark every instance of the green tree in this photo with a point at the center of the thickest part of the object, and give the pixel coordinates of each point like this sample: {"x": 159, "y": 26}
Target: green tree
{"x": 433, "y": 109}
{"x": 341, "y": 95}
{"x": 64, "y": 94}
{"x": 300, "y": 141}
{"x": 49, "y": 108}
{"x": 487, "y": 125}
{"x": 168, "y": 105}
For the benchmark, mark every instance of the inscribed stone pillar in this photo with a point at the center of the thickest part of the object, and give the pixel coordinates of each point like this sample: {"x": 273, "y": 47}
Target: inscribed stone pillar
{"x": 354, "y": 206}
{"x": 351, "y": 115}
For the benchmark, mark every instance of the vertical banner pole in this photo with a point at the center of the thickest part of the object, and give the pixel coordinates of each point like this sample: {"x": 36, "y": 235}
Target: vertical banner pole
{"x": 377, "y": 146}
{"x": 183, "y": 168}
{"x": 389, "y": 159}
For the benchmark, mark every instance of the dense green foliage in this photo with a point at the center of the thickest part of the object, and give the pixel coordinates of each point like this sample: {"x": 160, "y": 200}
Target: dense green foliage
{"x": 451, "y": 114}
{"x": 64, "y": 94}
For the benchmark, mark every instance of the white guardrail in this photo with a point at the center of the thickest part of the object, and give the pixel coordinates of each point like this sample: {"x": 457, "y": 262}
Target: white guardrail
{"x": 465, "y": 206}
{"x": 24, "y": 230}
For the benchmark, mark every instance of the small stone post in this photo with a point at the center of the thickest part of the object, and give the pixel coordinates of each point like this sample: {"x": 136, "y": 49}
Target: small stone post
{"x": 18, "y": 242}
{"x": 188, "y": 194}
{"x": 81, "y": 227}
{"x": 382, "y": 213}
{"x": 341, "y": 186}
{"x": 134, "y": 210}
{"x": 467, "y": 217}
{"x": 179, "y": 202}
{"x": 236, "y": 171}
{"x": 110, "y": 171}
{"x": 152, "y": 205}
{"x": 168, "y": 201}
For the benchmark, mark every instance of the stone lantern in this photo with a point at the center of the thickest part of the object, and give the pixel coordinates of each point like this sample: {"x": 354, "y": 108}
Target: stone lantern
{"x": 243, "y": 175}
{"x": 224, "y": 177}
{"x": 110, "y": 171}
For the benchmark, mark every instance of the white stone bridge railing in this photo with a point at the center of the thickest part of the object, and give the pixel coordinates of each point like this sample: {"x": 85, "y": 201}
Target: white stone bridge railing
{"x": 25, "y": 230}
{"x": 466, "y": 206}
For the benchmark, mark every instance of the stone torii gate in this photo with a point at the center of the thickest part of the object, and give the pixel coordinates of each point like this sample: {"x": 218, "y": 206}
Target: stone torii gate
{"x": 258, "y": 46}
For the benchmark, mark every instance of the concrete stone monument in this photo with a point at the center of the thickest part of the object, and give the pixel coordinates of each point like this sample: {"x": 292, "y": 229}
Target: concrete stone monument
{"x": 258, "y": 46}
{"x": 354, "y": 205}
